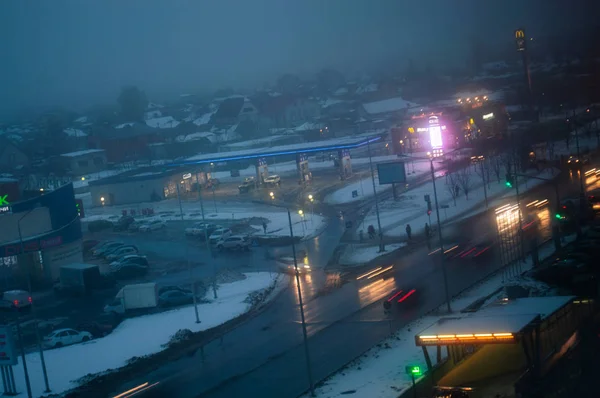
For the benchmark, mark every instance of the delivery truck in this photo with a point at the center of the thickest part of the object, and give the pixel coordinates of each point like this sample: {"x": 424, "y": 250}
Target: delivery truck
{"x": 80, "y": 279}
{"x": 134, "y": 297}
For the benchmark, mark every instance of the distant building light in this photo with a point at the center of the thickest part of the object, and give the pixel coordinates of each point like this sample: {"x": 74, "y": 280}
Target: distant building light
{"x": 187, "y": 175}
{"x": 488, "y": 116}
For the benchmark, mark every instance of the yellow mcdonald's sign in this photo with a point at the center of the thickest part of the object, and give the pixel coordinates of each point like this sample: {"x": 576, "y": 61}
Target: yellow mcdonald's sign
{"x": 411, "y": 130}
{"x": 519, "y": 34}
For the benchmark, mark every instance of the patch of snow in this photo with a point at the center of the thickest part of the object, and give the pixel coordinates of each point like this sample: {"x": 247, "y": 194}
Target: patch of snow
{"x": 71, "y": 132}
{"x": 123, "y": 125}
{"x": 388, "y": 105}
{"x": 152, "y": 105}
{"x": 81, "y": 153}
{"x": 340, "y": 91}
{"x": 369, "y": 88}
{"x": 82, "y": 119}
{"x": 196, "y": 136}
{"x": 361, "y": 254}
{"x": 152, "y": 114}
{"x": 95, "y": 176}
{"x": 131, "y": 338}
{"x": 165, "y": 122}
{"x": 204, "y": 119}
{"x": 330, "y": 102}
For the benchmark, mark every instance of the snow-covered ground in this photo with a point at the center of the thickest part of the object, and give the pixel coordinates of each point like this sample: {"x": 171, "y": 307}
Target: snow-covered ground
{"x": 132, "y": 338}
{"x": 287, "y": 168}
{"x": 307, "y": 226}
{"x": 364, "y": 187}
{"x": 411, "y": 207}
{"x": 379, "y": 373}
{"x": 361, "y": 254}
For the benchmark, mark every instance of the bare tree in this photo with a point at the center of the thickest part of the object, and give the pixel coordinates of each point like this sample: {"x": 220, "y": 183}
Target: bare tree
{"x": 496, "y": 166}
{"x": 451, "y": 184}
{"x": 464, "y": 181}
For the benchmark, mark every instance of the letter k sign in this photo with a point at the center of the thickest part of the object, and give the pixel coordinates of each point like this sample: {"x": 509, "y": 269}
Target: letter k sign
{"x": 4, "y": 201}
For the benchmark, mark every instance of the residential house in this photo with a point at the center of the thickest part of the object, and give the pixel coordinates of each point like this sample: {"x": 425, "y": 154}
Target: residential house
{"x": 84, "y": 162}
{"x": 390, "y": 108}
{"x": 184, "y": 145}
{"x": 125, "y": 142}
{"x": 233, "y": 110}
{"x": 285, "y": 111}
{"x": 12, "y": 157}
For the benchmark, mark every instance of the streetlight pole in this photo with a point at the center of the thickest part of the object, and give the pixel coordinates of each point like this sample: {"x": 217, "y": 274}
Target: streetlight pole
{"x": 381, "y": 245}
{"x": 439, "y": 225}
{"x": 37, "y": 330}
{"x": 206, "y": 237}
{"x": 304, "y": 334}
{"x": 187, "y": 256}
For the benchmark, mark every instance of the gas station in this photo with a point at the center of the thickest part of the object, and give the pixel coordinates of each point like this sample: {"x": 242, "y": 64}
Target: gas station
{"x": 341, "y": 146}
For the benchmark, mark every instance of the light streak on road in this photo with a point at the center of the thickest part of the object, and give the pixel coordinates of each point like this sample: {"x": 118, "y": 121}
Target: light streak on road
{"x": 380, "y": 272}
{"x": 368, "y": 273}
{"x": 375, "y": 291}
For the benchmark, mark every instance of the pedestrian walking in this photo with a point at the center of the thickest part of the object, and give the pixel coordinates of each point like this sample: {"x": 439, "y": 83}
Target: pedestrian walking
{"x": 371, "y": 231}
{"x": 427, "y": 231}
{"x": 264, "y": 227}
{"x": 408, "y": 231}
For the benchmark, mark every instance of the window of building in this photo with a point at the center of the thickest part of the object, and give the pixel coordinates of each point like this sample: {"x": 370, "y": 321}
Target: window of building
{"x": 82, "y": 163}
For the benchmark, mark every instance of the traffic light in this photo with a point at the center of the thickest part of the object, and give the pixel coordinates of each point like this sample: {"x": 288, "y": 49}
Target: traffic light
{"x": 509, "y": 180}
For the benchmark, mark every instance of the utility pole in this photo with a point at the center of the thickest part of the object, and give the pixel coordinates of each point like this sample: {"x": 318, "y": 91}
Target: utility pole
{"x": 520, "y": 233}
{"x": 381, "y": 245}
{"x": 484, "y": 183}
{"x": 439, "y": 225}
{"x": 581, "y": 185}
{"x": 214, "y": 285}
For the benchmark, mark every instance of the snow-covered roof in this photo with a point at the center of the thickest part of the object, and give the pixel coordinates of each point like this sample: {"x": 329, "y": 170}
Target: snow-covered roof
{"x": 152, "y": 114}
{"x": 258, "y": 141}
{"x": 331, "y": 101}
{"x": 340, "y": 91}
{"x": 82, "y": 119}
{"x": 165, "y": 122}
{"x": 71, "y": 132}
{"x": 308, "y": 126}
{"x": 152, "y": 105}
{"x": 196, "y": 136}
{"x": 510, "y": 316}
{"x": 369, "y": 88}
{"x": 388, "y": 105}
{"x": 348, "y": 141}
{"x": 122, "y": 125}
{"x": 204, "y": 119}
{"x": 81, "y": 153}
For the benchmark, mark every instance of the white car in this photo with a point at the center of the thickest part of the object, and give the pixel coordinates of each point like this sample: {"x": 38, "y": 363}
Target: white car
{"x": 234, "y": 242}
{"x": 218, "y": 235}
{"x": 199, "y": 229}
{"x": 122, "y": 251}
{"x": 63, "y": 337}
{"x": 153, "y": 226}
{"x": 273, "y": 179}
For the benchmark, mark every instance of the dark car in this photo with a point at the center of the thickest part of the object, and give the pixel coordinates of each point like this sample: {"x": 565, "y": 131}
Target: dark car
{"x": 129, "y": 271}
{"x": 99, "y": 225}
{"x": 123, "y": 223}
{"x": 95, "y": 328}
{"x": 246, "y": 187}
{"x": 175, "y": 297}
{"x": 89, "y": 244}
{"x": 165, "y": 289}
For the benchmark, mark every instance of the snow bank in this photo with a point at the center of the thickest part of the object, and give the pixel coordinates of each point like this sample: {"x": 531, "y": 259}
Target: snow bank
{"x": 361, "y": 254}
{"x": 131, "y": 338}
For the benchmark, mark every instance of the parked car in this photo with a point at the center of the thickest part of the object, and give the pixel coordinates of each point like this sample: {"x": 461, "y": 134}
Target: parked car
{"x": 89, "y": 245}
{"x": 112, "y": 250}
{"x": 218, "y": 235}
{"x": 123, "y": 223}
{"x": 251, "y": 179}
{"x": 15, "y": 300}
{"x": 129, "y": 271}
{"x": 106, "y": 248}
{"x": 135, "y": 259}
{"x": 246, "y": 187}
{"x": 165, "y": 289}
{"x": 199, "y": 229}
{"x": 175, "y": 297}
{"x": 135, "y": 226}
{"x": 273, "y": 180}
{"x": 122, "y": 251}
{"x": 63, "y": 337}
{"x": 99, "y": 225}
{"x": 153, "y": 225}
{"x": 234, "y": 242}
{"x": 97, "y": 328}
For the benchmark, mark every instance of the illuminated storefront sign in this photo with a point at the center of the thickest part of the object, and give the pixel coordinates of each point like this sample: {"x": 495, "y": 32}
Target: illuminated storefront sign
{"x": 426, "y": 129}
{"x": 488, "y": 116}
{"x": 4, "y": 204}
{"x": 435, "y": 133}
{"x": 520, "y": 39}
{"x": 187, "y": 175}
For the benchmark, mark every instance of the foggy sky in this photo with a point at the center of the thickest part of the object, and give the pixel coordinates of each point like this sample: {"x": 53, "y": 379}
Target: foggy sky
{"x": 79, "y": 52}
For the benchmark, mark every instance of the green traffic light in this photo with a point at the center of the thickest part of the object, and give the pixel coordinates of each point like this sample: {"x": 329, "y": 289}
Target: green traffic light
{"x": 508, "y": 184}
{"x": 558, "y": 216}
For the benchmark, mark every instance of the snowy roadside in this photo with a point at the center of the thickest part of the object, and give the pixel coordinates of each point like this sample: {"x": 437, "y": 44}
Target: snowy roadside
{"x": 363, "y": 189}
{"x": 362, "y": 254}
{"x": 379, "y": 372}
{"x": 306, "y": 226}
{"x": 69, "y": 366}
{"x": 411, "y": 207}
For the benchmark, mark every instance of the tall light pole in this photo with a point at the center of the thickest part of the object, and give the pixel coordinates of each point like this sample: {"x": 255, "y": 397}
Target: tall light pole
{"x": 439, "y": 228}
{"x": 210, "y": 252}
{"x": 381, "y": 245}
{"x": 312, "y": 208}
{"x": 37, "y": 330}
{"x": 304, "y": 334}
{"x": 187, "y": 256}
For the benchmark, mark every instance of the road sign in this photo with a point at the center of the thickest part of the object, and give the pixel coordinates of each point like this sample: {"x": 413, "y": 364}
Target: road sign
{"x": 8, "y": 347}
{"x": 427, "y": 198}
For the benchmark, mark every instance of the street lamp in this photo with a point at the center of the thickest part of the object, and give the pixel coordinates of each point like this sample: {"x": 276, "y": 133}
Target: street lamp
{"x": 272, "y": 195}
{"x": 37, "y": 330}
{"x": 312, "y": 208}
